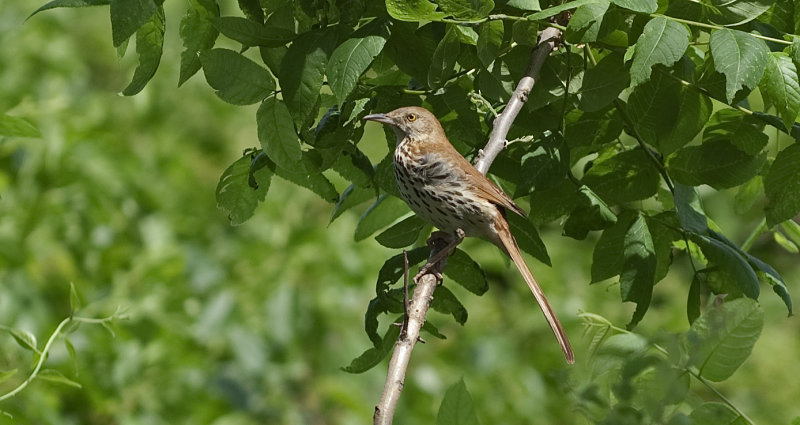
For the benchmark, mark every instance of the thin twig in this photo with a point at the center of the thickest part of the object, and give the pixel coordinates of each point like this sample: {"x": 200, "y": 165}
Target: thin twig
{"x": 441, "y": 244}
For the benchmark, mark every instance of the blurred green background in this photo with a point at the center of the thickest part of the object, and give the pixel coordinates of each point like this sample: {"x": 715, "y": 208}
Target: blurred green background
{"x": 250, "y": 324}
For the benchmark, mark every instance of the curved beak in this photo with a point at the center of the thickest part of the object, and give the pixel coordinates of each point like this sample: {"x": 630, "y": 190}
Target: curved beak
{"x": 382, "y": 118}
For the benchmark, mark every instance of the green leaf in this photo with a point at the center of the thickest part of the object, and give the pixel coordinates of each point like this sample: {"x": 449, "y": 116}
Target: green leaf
{"x": 236, "y": 79}
{"x": 466, "y": 272}
{"x": 277, "y": 134}
{"x": 354, "y": 165}
{"x": 693, "y": 300}
{"x": 466, "y": 9}
{"x": 623, "y": 177}
{"x": 741, "y": 57}
{"x": 302, "y": 73}
{"x": 664, "y": 230}
{"x": 252, "y": 9}
{"x": 490, "y": 38}
{"x": 353, "y": 57}
{"x": 234, "y": 194}
{"x": 17, "y": 127}
{"x": 737, "y": 12}
{"x": 603, "y": 83}
{"x": 548, "y": 204}
{"x": 608, "y": 256}
{"x": 149, "y": 46}
{"x": 5, "y": 375}
{"x": 732, "y": 265}
{"x": 642, "y": 6}
{"x": 746, "y": 132}
{"x": 197, "y": 33}
{"x": 251, "y": 33}
{"x": 781, "y": 88}
{"x": 74, "y": 298}
{"x": 690, "y": 212}
{"x": 524, "y": 4}
{"x": 445, "y": 302}
{"x": 527, "y": 238}
{"x": 716, "y": 413}
{"x": 555, "y": 10}
{"x": 444, "y": 58}
{"x": 666, "y": 114}
{"x": 370, "y": 358}
{"x": 53, "y": 375}
{"x": 306, "y": 173}
{"x": 722, "y": 339}
{"x": 70, "y": 3}
{"x": 638, "y": 268}
{"x": 351, "y": 197}
{"x": 747, "y": 195}
{"x": 401, "y": 234}
{"x": 24, "y": 338}
{"x": 716, "y": 163}
{"x": 663, "y": 42}
{"x": 586, "y": 24}
{"x": 382, "y": 213}
{"x": 413, "y": 10}
{"x": 590, "y": 213}
{"x": 127, "y": 16}
{"x": 782, "y": 186}
{"x": 457, "y": 407}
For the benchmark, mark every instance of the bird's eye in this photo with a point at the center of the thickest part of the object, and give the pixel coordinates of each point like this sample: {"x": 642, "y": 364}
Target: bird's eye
{"x": 411, "y": 117}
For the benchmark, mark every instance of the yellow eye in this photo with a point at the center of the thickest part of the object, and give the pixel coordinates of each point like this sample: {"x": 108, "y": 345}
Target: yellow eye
{"x": 411, "y": 117}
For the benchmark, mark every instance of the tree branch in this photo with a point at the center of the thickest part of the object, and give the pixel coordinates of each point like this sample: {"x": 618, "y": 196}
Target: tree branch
{"x": 426, "y": 283}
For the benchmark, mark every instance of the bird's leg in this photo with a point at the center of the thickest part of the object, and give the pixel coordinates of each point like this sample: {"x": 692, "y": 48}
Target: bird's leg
{"x": 440, "y": 254}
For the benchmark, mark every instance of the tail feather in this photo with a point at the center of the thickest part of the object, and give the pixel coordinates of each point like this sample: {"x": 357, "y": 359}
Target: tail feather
{"x": 511, "y": 248}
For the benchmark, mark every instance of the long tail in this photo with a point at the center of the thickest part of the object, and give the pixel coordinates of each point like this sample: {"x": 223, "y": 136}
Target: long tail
{"x": 510, "y": 245}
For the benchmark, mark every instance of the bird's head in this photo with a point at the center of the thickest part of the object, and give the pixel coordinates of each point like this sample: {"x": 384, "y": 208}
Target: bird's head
{"x": 410, "y": 122}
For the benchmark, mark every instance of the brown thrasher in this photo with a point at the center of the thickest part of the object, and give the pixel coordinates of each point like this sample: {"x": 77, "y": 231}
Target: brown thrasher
{"x": 444, "y": 189}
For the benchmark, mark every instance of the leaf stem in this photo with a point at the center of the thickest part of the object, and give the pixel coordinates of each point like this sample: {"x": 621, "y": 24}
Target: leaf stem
{"x": 748, "y": 243}
{"x": 46, "y": 350}
{"x": 714, "y": 27}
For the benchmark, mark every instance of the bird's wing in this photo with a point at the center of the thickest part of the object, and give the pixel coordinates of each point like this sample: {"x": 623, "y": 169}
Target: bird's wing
{"x": 490, "y": 190}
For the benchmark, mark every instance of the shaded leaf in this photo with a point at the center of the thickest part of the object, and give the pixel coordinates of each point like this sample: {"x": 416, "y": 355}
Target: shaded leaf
{"x": 712, "y": 413}
{"x": 690, "y": 212}
{"x": 590, "y": 213}
{"x": 466, "y": 272}
{"x": 69, "y": 3}
{"x": 307, "y": 174}
{"x": 732, "y": 265}
{"x": 352, "y": 196}
{"x": 743, "y": 131}
{"x": 445, "y": 302}
{"x": 722, "y": 339}
{"x": 586, "y": 24}
{"x": 380, "y": 214}
{"x": 716, "y": 163}
{"x": 402, "y": 234}
{"x": 457, "y": 407}
{"x": 782, "y": 186}
{"x": 149, "y": 46}
{"x": 623, "y": 177}
{"x": 638, "y": 268}
{"x": 466, "y": 9}
{"x": 277, "y": 134}
{"x": 527, "y": 238}
{"x": 127, "y": 16}
{"x": 444, "y": 58}
{"x": 608, "y": 256}
{"x": 371, "y": 357}
{"x": 197, "y": 33}
{"x": 603, "y": 83}
{"x": 302, "y": 73}
{"x": 235, "y": 196}
{"x": 490, "y": 38}
{"x": 251, "y": 33}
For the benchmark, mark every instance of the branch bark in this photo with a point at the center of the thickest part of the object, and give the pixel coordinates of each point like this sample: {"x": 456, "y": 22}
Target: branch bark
{"x": 426, "y": 284}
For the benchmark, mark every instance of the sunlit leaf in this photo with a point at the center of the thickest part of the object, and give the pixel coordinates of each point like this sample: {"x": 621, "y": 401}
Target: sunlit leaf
{"x": 662, "y": 42}
{"x": 741, "y": 57}
{"x": 236, "y": 79}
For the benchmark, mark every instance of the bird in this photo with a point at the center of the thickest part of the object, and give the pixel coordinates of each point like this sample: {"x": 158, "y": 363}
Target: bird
{"x": 444, "y": 189}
